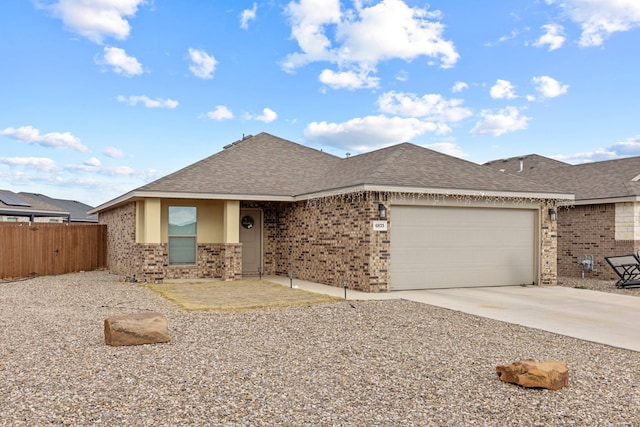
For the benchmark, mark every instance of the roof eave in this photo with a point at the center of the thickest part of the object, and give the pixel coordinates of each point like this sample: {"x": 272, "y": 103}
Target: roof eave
{"x": 605, "y": 200}
{"x": 136, "y": 195}
{"x": 438, "y": 191}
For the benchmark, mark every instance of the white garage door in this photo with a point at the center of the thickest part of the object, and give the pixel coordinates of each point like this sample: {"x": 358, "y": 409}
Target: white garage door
{"x": 446, "y": 247}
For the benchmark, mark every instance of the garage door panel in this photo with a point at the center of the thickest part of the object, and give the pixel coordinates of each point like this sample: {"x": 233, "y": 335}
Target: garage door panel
{"x": 438, "y": 247}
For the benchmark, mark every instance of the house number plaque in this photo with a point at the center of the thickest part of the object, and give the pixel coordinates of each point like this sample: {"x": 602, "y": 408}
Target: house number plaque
{"x": 379, "y": 225}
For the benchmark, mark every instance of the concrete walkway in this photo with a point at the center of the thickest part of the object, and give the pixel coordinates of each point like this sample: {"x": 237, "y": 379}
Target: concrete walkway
{"x": 600, "y": 317}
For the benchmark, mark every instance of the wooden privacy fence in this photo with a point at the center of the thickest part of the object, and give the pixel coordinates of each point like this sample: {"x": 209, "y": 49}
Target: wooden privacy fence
{"x": 35, "y": 249}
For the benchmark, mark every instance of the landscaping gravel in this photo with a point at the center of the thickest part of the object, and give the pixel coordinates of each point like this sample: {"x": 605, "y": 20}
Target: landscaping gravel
{"x": 348, "y": 363}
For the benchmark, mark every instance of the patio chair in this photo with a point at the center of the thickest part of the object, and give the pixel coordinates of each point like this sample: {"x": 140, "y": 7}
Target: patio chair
{"x": 627, "y": 267}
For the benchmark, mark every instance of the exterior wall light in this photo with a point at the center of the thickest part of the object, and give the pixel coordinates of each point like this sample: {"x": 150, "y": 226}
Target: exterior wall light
{"x": 552, "y": 215}
{"x": 382, "y": 211}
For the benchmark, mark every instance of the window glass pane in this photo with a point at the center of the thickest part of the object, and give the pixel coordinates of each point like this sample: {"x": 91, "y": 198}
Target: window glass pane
{"x": 182, "y": 220}
{"x": 182, "y": 234}
{"x": 182, "y": 250}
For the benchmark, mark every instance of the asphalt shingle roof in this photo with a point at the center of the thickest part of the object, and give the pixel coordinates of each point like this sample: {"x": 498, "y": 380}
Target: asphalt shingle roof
{"x": 77, "y": 210}
{"x": 598, "y": 180}
{"x": 268, "y": 165}
{"x": 261, "y": 164}
{"x": 35, "y": 206}
{"x": 588, "y": 181}
{"x": 525, "y": 164}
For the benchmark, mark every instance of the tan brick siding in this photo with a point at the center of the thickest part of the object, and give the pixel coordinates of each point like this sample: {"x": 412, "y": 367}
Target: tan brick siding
{"x": 150, "y": 262}
{"x": 121, "y": 238}
{"x": 589, "y": 230}
{"x": 330, "y": 242}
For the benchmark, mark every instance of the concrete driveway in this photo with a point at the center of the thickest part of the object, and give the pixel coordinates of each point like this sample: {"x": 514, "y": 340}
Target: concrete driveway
{"x": 600, "y": 317}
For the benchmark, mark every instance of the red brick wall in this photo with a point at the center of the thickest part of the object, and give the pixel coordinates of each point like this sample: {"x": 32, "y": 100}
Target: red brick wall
{"x": 589, "y": 230}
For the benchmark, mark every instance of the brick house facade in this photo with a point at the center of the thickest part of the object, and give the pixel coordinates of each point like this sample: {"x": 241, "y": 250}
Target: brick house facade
{"x": 316, "y": 213}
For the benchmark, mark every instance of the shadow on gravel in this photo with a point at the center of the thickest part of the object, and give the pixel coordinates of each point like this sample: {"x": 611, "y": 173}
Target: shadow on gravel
{"x": 236, "y": 295}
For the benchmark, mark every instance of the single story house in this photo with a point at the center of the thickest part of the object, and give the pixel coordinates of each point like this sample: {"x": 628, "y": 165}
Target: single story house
{"x": 78, "y": 211}
{"x": 35, "y": 207}
{"x": 19, "y": 207}
{"x": 402, "y": 217}
{"x": 603, "y": 220}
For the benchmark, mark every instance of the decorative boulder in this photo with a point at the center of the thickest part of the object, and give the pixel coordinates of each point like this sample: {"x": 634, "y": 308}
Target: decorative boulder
{"x": 550, "y": 374}
{"x": 136, "y": 329}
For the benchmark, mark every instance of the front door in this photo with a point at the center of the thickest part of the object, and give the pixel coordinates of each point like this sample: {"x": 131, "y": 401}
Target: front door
{"x": 251, "y": 239}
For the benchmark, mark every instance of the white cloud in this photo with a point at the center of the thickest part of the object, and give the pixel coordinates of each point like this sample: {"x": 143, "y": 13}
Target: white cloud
{"x": 93, "y": 162}
{"x": 628, "y": 148}
{"x": 267, "y": 116}
{"x": 348, "y": 79}
{"x": 202, "y": 64}
{"x": 96, "y": 20}
{"x": 220, "y": 113}
{"x": 553, "y": 37}
{"x": 308, "y": 19}
{"x": 32, "y": 135}
{"x": 587, "y": 156}
{"x": 600, "y": 18}
{"x": 402, "y": 76}
{"x": 40, "y": 163}
{"x": 370, "y": 132}
{"x": 362, "y": 37}
{"x": 549, "y": 87}
{"x": 503, "y": 89}
{"x": 117, "y": 171}
{"x": 121, "y": 62}
{"x": 431, "y": 106}
{"x": 450, "y": 148}
{"x": 113, "y": 152}
{"x": 504, "y": 121}
{"x": 459, "y": 87}
{"x": 148, "y": 102}
{"x": 248, "y": 15}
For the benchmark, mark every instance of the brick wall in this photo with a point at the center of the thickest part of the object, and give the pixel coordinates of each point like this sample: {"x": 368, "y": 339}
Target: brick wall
{"x": 214, "y": 261}
{"x": 330, "y": 241}
{"x": 121, "y": 237}
{"x": 589, "y": 230}
{"x": 548, "y": 249}
{"x": 150, "y": 262}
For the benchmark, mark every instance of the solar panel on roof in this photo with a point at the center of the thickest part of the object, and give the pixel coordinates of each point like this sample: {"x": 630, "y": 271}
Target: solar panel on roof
{"x": 12, "y": 200}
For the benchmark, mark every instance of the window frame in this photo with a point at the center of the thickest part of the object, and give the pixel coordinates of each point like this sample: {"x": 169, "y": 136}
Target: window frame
{"x": 184, "y": 249}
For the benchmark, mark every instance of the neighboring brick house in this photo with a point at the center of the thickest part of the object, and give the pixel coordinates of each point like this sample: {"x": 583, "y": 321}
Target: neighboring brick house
{"x": 403, "y": 217}
{"x": 603, "y": 220}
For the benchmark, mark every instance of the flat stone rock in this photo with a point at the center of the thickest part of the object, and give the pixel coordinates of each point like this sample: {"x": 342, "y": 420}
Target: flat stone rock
{"x": 550, "y": 374}
{"x": 136, "y": 329}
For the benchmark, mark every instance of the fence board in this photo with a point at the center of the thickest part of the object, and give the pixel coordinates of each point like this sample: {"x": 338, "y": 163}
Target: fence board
{"x": 36, "y": 249}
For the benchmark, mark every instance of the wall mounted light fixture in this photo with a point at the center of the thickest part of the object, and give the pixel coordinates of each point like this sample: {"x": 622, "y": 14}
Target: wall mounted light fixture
{"x": 382, "y": 211}
{"x": 552, "y": 215}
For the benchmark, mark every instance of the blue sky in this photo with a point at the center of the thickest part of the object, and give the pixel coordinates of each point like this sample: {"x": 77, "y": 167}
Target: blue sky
{"x": 100, "y": 97}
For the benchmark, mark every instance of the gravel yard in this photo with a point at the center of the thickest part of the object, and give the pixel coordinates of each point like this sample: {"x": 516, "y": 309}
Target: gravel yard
{"x": 374, "y": 363}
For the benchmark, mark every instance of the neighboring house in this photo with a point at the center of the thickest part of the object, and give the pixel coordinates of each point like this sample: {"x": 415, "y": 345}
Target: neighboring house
{"x": 603, "y": 220}
{"x": 22, "y": 208}
{"x": 78, "y": 211}
{"x": 403, "y": 217}
{"x": 34, "y": 207}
